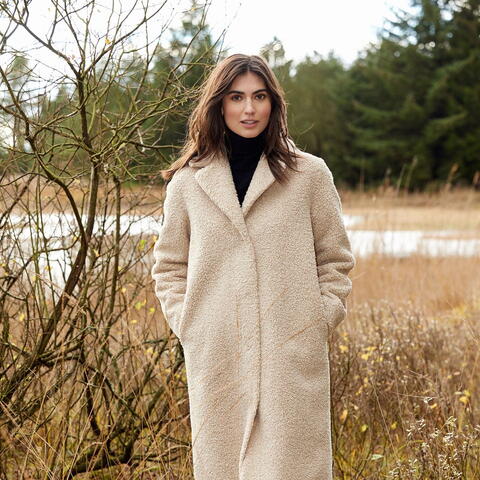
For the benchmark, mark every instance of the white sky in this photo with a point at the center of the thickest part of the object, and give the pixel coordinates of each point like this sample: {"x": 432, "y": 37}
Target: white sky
{"x": 303, "y": 26}
{"x": 344, "y": 26}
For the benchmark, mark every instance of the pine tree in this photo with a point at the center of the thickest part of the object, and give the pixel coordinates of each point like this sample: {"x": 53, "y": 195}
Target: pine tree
{"x": 415, "y": 96}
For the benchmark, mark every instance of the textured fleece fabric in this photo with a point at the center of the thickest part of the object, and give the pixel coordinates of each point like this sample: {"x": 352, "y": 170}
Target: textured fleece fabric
{"x": 252, "y": 291}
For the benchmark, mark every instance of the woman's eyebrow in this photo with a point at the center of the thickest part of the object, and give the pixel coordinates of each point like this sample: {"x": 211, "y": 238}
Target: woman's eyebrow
{"x": 238, "y": 91}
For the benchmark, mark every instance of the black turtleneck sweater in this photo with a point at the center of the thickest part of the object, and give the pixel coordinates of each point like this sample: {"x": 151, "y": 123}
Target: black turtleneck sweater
{"x": 243, "y": 155}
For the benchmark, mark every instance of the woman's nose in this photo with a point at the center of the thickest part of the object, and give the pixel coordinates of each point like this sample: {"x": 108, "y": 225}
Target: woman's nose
{"x": 249, "y": 106}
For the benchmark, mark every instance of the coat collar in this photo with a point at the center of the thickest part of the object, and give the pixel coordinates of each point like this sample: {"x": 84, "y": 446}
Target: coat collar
{"x": 214, "y": 176}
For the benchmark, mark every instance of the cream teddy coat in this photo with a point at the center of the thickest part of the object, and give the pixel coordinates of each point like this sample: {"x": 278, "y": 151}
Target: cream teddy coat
{"x": 251, "y": 292}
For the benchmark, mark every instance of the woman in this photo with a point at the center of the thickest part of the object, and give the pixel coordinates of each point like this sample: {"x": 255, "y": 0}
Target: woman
{"x": 251, "y": 270}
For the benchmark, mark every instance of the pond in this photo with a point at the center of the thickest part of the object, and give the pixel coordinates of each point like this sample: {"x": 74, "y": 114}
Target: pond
{"x": 59, "y": 229}
{"x": 402, "y": 243}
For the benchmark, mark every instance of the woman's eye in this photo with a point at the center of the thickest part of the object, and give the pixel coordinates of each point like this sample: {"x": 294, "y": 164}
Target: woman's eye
{"x": 260, "y": 96}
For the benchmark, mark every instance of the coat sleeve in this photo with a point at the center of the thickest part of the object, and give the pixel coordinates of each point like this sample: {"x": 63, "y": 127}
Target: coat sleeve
{"x": 332, "y": 246}
{"x": 170, "y": 254}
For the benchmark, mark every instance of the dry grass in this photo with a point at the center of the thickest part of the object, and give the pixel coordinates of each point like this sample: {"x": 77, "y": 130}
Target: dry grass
{"x": 136, "y": 199}
{"x": 416, "y": 218}
{"x": 404, "y": 365}
{"x": 455, "y": 210}
{"x": 457, "y": 198}
{"x": 405, "y": 393}
{"x": 430, "y": 285}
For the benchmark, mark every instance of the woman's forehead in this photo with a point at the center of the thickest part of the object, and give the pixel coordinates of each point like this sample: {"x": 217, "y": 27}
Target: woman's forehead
{"x": 248, "y": 81}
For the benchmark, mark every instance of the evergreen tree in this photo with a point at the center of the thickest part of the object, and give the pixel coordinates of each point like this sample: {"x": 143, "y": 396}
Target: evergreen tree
{"x": 414, "y": 97}
{"x": 452, "y": 136}
{"x": 317, "y": 94}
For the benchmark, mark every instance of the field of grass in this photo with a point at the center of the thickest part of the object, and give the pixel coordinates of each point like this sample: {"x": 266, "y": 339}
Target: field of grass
{"x": 405, "y": 363}
{"x": 455, "y": 210}
{"x": 404, "y": 369}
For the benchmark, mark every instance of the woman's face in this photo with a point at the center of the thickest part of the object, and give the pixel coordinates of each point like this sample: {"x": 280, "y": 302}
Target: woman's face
{"x": 247, "y": 105}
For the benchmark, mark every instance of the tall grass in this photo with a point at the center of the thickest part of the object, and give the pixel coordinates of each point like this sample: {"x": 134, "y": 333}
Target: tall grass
{"x": 404, "y": 378}
{"x": 405, "y": 363}
{"x": 404, "y": 393}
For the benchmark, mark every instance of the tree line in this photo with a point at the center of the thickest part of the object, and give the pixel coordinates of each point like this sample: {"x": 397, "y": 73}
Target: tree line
{"x": 404, "y": 113}
{"x": 407, "y": 110}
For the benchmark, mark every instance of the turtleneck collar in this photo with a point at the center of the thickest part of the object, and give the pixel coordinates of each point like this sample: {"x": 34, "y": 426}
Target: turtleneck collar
{"x": 239, "y": 146}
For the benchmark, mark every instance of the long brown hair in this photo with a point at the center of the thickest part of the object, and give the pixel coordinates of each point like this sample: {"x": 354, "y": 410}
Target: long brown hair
{"x": 206, "y": 126}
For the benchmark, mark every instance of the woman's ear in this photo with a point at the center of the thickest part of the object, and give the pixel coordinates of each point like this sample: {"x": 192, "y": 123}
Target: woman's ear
{"x": 221, "y": 111}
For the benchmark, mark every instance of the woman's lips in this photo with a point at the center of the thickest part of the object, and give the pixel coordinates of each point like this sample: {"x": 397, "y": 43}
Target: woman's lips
{"x": 249, "y": 124}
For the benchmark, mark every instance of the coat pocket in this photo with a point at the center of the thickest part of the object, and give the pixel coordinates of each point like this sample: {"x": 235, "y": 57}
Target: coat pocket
{"x": 181, "y": 321}
{"x": 333, "y": 311}
{"x": 322, "y": 317}
{"x": 184, "y": 312}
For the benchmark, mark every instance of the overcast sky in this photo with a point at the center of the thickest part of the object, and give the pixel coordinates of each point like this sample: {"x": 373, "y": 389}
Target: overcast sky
{"x": 303, "y": 26}
{"x": 344, "y": 26}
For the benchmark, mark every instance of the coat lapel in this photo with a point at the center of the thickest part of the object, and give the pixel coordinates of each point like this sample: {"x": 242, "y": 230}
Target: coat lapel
{"x": 216, "y": 180}
{"x": 261, "y": 180}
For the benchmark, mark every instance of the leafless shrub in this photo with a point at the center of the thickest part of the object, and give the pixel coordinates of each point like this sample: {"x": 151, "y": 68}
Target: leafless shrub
{"x": 89, "y": 379}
